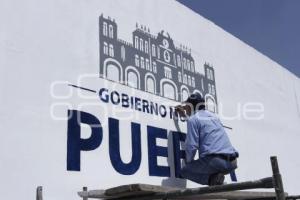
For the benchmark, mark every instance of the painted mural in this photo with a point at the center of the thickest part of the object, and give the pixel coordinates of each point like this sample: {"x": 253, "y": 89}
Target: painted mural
{"x": 152, "y": 63}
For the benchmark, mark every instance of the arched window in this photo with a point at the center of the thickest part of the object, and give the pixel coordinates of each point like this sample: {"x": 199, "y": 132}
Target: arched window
{"x": 105, "y": 28}
{"x": 111, "y": 50}
{"x": 174, "y": 59}
{"x": 141, "y": 44}
{"x": 169, "y": 91}
{"x": 210, "y": 104}
{"x": 146, "y": 47}
{"x": 193, "y": 81}
{"x": 105, "y": 48}
{"x": 123, "y": 55}
{"x": 154, "y": 67}
{"x": 213, "y": 90}
{"x": 208, "y": 73}
{"x": 113, "y": 72}
{"x": 142, "y": 63}
{"x": 184, "y": 94}
{"x": 132, "y": 79}
{"x": 188, "y": 65}
{"x": 178, "y": 61}
{"x": 137, "y": 61}
{"x": 209, "y": 88}
{"x": 189, "y": 80}
{"x": 147, "y": 64}
{"x": 136, "y": 42}
{"x": 192, "y": 66}
{"x": 153, "y": 50}
{"x": 211, "y": 74}
{"x": 150, "y": 84}
{"x": 179, "y": 77}
{"x": 168, "y": 72}
{"x": 184, "y": 63}
{"x": 111, "y": 31}
{"x": 185, "y": 79}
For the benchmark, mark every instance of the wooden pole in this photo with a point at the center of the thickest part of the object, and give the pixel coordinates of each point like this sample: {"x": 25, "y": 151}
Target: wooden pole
{"x": 278, "y": 185}
{"x": 293, "y": 197}
{"x": 85, "y": 189}
{"x": 39, "y": 193}
{"x": 262, "y": 183}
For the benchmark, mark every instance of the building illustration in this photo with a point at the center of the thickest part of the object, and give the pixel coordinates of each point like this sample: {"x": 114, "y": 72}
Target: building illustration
{"x": 152, "y": 63}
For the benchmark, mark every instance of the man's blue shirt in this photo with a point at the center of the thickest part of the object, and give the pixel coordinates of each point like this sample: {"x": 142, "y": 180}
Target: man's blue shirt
{"x": 206, "y": 134}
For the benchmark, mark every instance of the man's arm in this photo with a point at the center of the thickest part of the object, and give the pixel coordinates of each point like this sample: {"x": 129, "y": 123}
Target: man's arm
{"x": 192, "y": 140}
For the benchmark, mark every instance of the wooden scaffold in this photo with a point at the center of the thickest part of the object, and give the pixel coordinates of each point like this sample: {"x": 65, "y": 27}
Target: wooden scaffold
{"x": 233, "y": 191}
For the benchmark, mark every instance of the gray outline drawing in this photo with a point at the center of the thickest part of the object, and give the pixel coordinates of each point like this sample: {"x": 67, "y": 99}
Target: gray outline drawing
{"x": 153, "y": 64}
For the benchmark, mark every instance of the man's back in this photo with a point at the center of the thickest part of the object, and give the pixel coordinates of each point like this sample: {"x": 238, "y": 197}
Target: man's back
{"x": 205, "y": 128}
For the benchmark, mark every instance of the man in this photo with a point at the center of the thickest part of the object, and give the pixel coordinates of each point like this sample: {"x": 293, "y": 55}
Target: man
{"x": 205, "y": 134}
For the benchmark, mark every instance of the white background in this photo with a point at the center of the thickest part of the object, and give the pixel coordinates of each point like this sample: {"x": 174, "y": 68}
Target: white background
{"x": 45, "y": 41}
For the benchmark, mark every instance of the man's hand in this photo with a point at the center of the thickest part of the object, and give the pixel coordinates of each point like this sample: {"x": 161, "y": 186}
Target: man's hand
{"x": 180, "y": 110}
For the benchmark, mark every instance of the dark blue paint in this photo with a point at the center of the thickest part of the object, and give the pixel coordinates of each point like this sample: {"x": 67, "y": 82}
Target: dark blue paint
{"x": 137, "y": 103}
{"x": 114, "y": 147}
{"x": 178, "y": 153}
{"x": 103, "y": 94}
{"x": 115, "y": 97}
{"x": 163, "y": 110}
{"x": 154, "y": 151}
{"x": 75, "y": 144}
{"x": 125, "y": 100}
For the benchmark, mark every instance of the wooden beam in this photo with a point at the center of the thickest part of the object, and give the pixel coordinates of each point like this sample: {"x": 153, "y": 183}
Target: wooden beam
{"x": 293, "y": 197}
{"x": 235, "y": 195}
{"x": 39, "y": 193}
{"x": 278, "y": 185}
{"x": 84, "y": 189}
{"x": 262, "y": 183}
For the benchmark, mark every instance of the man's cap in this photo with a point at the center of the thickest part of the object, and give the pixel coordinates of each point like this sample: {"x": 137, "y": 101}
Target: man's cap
{"x": 194, "y": 99}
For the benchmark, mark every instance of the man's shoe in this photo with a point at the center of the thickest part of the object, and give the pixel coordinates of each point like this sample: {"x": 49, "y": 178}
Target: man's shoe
{"x": 216, "y": 179}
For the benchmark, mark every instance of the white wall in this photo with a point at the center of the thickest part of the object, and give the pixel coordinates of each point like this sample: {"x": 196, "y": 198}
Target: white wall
{"x": 45, "y": 41}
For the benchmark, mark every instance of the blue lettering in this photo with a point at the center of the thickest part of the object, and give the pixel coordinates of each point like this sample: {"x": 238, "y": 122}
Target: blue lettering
{"x": 153, "y": 108}
{"x": 138, "y": 104}
{"x": 145, "y": 106}
{"x": 125, "y": 100}
{"x": 75, "y": 143}
{"x": 178, "y": 153}
{"x": 103, "y": 93}
{"x": 154, "y": 151}
{"x": 113, "y": 100}
{"x": 114, "y": 148}
{"x": 162, "y": 111}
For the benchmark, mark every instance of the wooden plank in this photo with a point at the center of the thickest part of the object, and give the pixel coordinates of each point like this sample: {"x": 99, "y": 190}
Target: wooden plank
{"x": 125, "y": 191}
{"x": 138, "y": 187}
{"x": 262, "y": 183}
{"x": 145, "y": 191}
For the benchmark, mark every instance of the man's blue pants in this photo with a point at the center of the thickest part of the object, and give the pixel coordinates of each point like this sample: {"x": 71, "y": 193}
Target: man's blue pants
{"x": 200, "y": 170}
